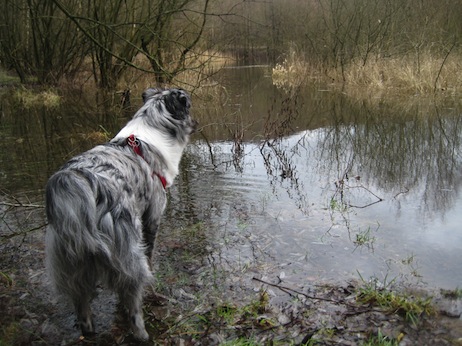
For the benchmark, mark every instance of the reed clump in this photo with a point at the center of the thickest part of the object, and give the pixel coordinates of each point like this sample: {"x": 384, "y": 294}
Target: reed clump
{"x": 425, "y": 76}
{"x": 292, "y": 71}
{"x": 406, "y": 75}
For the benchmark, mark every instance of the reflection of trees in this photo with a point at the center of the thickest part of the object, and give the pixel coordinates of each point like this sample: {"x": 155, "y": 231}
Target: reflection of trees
{"x": 405, "y": 151}
{"x": 278, "y": 161}
{"x": 37, "y": 140}
{"x": 398, "y": 151}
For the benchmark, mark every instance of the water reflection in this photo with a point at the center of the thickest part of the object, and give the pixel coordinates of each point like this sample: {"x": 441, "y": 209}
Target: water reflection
{"x": 308, "y": 198}
{"x": 311, "y": 183}
{"x": 36, "y": 141}
{"x": 377, "y": 184}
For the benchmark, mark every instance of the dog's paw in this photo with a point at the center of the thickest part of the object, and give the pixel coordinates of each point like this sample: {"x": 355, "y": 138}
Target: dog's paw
{"x": 138, "y": 328}
{"x": 141, "y": 335}
{"x": 87, "y": 326}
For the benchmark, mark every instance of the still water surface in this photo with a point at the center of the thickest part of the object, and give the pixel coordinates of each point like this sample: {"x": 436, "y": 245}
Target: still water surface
{"x": 300, "y": 186}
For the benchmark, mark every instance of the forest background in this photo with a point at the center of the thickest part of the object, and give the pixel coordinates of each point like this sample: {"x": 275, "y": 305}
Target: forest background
{"x": 411, "y": 45}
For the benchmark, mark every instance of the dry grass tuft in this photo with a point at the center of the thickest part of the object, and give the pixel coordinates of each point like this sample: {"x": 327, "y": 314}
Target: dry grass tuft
{"x": 405, "y": 75}
{"x": 293, "y": 71}
{"x": 421, "y": 74}
{"x": 30, "y": 98}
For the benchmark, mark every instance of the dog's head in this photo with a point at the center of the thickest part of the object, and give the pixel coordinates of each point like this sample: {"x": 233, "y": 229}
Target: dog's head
{"x": 168, "y": 111}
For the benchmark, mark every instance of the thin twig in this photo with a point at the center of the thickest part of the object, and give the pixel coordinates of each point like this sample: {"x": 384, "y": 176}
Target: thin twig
{"x": 288, "y": 289}
{"x": 22, "y": 205}
{"x": 12, "y": 235}
{"x": 212, "y": 157}
{"x": 342, "y": 301}
{"x": 442, "y": 65}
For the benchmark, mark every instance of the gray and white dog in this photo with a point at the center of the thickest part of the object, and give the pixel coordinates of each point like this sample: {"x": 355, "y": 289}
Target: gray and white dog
{"x": 104, "y": 207}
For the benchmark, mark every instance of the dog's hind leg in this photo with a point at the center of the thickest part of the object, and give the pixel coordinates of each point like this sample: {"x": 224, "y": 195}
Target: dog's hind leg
{"x": 84, "y": 315}
{"x": 149, "y": 238}
{"x": 82, "y": 290}
{"x": 132, "y": 298}
{"x": 84, "y": 285}
{"x": 150, "y": 226}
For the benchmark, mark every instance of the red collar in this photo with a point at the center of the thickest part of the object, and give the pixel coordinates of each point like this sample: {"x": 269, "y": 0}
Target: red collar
{"x": 134, "y": 143}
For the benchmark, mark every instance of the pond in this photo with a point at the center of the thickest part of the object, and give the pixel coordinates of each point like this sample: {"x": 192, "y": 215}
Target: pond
{"x": 299, "y": 186}
{"x": 315, "y": 186}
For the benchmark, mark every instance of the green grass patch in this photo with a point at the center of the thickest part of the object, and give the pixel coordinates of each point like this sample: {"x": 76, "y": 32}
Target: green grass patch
{"x": 412, "y": 308}
{"x": 7, "y": 79}
{"x": 226, "y": 316}
{"x": 380, "y": 340}
{"x": 364, "y": 238}
{"x": 241, "y": 342}
{"x": 6, "y": 280}
{"x": 452, "y": 294}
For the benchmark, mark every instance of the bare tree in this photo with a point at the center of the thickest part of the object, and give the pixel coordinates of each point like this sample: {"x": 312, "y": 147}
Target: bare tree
{"x": 119, "y": 31}
{"x": 37, "y": 40}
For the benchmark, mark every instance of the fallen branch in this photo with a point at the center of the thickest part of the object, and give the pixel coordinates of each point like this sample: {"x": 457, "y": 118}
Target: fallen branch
{"x": 357, "y": 309}
{"x": 288, "y": 290}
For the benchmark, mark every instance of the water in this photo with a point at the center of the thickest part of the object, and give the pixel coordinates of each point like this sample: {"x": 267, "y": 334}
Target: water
{"x": 296, "y": 186}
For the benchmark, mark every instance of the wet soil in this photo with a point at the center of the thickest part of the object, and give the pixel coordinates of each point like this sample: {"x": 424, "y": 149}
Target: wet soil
{"x": 190, "y": 307}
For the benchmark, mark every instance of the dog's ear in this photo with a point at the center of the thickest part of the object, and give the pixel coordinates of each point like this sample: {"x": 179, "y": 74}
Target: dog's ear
{"x": 178, "y": 103}
{"x": 148, "y": 93}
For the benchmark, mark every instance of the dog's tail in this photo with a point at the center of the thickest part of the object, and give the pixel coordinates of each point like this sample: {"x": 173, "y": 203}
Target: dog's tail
{"x": 88, "y": 239}
{"x": 71, "y": 239}
{"x": 71, "y": 212}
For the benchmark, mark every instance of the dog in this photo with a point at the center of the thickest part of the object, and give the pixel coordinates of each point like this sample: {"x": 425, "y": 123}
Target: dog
{"x": 104, "y": 207}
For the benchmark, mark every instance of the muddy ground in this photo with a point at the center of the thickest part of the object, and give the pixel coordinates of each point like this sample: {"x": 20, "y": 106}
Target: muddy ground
{"x": 190, "y": 307}
{"x": 198, "y": 299}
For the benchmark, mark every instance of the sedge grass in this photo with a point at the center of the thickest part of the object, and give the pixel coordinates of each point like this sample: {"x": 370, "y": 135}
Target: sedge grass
{"x": 424, "y": 74}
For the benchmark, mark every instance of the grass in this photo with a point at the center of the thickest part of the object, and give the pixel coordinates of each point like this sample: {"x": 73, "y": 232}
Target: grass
{"x": 6, "y": 79}
{"x": 401, "y": 75}
{"x": 30, "y": 98}
{"x": 452, "y": 294}
{"x": 225, "y": 316}
{"x": 197, "y": 78}
{"x": 10, "y": 334}
{"x": 380, "y": 340}
{"x": 412, "y": 308}
{"x": 6, "y": 280}
{"x": 338, "y": 206}
{"x": 364, "y": 238}
{"x": 241, "y": 342}
{"x": 292, "y": 71}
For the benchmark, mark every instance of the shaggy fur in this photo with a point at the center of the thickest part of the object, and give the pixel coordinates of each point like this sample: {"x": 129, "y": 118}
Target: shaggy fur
{"x": 104, "y": 208}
